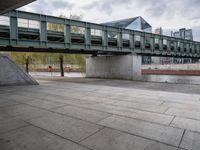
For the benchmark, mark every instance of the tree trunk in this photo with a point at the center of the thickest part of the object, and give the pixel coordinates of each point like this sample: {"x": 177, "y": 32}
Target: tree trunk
{"x": 61, "y": 67}
{"x": 27, "y": 64}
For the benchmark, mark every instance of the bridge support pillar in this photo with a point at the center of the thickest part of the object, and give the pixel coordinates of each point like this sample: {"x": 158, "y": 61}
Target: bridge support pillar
{"x": 115, "y": 67}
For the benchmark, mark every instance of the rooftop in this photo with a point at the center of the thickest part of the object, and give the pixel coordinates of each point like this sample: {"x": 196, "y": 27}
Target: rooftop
{"x": 126, "y": 22}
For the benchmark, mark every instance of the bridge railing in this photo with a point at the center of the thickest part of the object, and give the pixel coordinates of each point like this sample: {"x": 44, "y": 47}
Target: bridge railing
{"x": 32, "y": 30}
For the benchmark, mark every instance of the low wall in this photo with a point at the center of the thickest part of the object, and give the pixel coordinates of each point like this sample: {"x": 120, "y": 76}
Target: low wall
{"x": 173, "y": 67}
{"x": 170, "y": 72}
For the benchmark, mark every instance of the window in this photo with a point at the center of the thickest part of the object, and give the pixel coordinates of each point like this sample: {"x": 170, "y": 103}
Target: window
{"x": 165, "y": 42}
{"x": 156, "y": 41}
{"x": 137, "y": 38}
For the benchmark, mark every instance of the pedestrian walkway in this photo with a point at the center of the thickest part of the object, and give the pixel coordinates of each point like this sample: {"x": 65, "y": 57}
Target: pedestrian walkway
{"x": 93, "y": 114}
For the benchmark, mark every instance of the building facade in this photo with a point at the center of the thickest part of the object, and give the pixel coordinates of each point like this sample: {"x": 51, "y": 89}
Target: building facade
{"x": 159, "y": 31}
{"x": 184, "y": 34}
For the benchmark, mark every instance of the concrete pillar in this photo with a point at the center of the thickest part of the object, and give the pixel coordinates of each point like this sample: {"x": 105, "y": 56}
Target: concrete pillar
{"x": 115, "y": 67}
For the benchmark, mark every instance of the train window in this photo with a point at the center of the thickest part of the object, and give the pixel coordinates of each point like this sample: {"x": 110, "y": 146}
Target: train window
{"x": 77, "y": 30}
{"x": 164, "y": 42}
{"x": 137, "y": 38}
{"x": 4, "y": 20}
{"x": 156, "y": 41}
{"x": 96, "y": 32}
{"x": 126, "y": 36}
{"x": 179, "y": 44}
{"x": 112, "y": 34}
{"x": 25, "y": 23}
{"x": 147, "y": 40}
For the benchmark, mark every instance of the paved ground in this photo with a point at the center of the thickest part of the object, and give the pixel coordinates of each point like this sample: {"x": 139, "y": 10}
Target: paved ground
{"x": 89, "y": 114}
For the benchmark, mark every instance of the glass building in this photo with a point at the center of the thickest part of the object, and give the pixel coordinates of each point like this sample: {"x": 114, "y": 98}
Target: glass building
{"x": 184, "y": 34}
{"x": 136, "y": 23}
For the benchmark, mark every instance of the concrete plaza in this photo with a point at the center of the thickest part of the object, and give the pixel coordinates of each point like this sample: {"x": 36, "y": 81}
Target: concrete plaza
{"x": 95, "y": 114}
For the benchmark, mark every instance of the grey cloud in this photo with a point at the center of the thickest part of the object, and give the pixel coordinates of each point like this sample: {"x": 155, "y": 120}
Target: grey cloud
{"x": 156, "y": 8}
{"x": 168, "y": 9}
{"x": 186, "y": 8}
{"x": 62, "y": 4}
{"x": 44, "y": 6}
{"x": 107, "y": 5}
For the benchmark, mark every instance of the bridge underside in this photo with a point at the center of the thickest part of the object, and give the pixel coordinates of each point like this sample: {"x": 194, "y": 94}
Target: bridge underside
{"x": 9, "y": 5}
{"x": 82, "y": 51}
{"x": 54, "y": 50}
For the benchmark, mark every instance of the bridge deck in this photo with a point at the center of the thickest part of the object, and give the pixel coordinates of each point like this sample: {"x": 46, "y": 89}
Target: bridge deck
{"x": 26, "y": 31}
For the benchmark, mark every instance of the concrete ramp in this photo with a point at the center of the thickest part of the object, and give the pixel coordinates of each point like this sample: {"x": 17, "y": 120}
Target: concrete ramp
{"x": 12, "y": 74}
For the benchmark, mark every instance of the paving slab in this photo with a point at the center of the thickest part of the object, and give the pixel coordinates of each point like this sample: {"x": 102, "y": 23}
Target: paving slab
{"x": 184, "y": 123}
{"x": 11, "y": 124}
{"x": 109, "y": 139}
{"x": 142, "y": 100}
{"x": 70, "y": 93}
{"x": 191, "y": 141}
{"x": 45, "y": 104}
{"x": 32, "y": 138}
{"x": 180, "y": 96}
{"x": 40, "y": 95}
{"x": 18, "y": 98}
{"x": 23, "y": 111}
{"x": 181, "y": 100}
{"x": 5, "y": 102}
{"x": 184, "y": 113}
{"x": 165, "y": 134}
{"x": 66, "y": 127}
{"x": 99, "y": 99}
{"x": 60, "y": 99}
{"x": 5, "y": 117}
{"x": 77, "y": 102}
{"x": 82, "y": 113}
{"x": 146, "y": 107}
{"x": 133, "y": 113}
{"x": 150, "y": 98}
{"x": 190, "y": 107}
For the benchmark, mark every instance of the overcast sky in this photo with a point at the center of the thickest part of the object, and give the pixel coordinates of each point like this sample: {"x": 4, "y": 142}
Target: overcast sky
{"x": 168, "y": 14}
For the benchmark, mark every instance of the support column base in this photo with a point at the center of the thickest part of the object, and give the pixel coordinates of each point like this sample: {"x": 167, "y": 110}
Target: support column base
{"x": 126, "y": 67}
